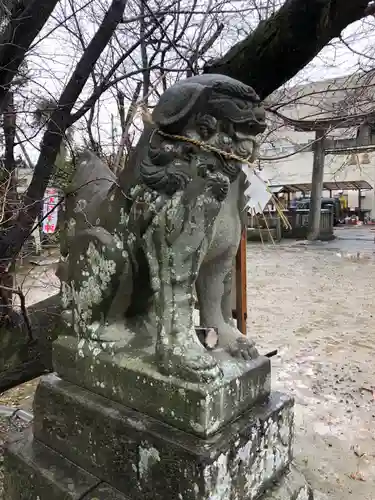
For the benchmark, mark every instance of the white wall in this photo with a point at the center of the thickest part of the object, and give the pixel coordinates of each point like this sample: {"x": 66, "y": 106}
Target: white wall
{"x": 297, "y": 169}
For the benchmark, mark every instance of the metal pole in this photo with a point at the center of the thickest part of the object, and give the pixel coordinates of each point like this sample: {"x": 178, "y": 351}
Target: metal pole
{"x": 317, "y": 186}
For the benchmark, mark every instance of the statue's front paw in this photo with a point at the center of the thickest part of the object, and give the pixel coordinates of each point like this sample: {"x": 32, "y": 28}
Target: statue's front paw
{"x": 238, "y": 345}
{"x": 219, "y": 185}
{"x": 188, "y": 361}
{"x": 243, "y": 348}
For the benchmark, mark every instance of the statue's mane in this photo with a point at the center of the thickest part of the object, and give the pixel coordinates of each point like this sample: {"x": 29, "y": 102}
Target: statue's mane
{"x": 164, "y": 164}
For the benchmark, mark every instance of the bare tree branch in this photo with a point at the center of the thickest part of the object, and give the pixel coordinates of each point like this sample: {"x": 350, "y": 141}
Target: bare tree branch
{"x": 12, "y": 242}
{"x": 21, "y": 295}
{"x": 23, "y": 27}
{"x": 107, "y": 82}
{"x": 125, "y": 129}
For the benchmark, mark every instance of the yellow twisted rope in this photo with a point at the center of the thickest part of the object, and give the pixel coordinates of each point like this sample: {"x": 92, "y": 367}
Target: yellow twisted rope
{"x": 231, "y": 156}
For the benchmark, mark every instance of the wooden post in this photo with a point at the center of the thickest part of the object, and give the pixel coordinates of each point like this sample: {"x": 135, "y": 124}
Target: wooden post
{"x": 317, "y": 186}
{"x": 240, "y": 284}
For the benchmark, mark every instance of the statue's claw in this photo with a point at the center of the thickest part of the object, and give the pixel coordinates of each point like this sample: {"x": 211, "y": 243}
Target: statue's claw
{"x": 189, "y": 361}
{"x": 244, "y": 348}
{"x": 237, "y": 345}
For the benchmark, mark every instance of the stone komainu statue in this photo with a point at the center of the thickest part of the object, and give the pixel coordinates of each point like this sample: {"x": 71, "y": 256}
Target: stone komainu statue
{"x": 137, "y": 248}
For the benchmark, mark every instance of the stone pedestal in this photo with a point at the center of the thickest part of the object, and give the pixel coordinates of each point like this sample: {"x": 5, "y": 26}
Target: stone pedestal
{"x": 84, "y": 446}
{"x": 113, "y": 427}
{"x": 131, "y": 379}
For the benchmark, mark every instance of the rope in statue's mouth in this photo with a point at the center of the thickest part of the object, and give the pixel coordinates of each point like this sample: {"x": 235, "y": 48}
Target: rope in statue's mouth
{"x": 246, "y": 164}
{"x": 249, "y": 160}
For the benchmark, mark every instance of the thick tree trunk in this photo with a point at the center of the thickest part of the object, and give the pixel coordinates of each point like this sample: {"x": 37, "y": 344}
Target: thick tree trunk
{"x": 281, "y": 46}
{"x": 22, "y": 29}
{"x": 8, "y": 202}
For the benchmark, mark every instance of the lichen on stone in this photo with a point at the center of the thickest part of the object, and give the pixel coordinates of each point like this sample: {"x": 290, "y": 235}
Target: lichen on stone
{"x": 124, "y": 217}
{"x": 89, "y": 291}
{"x": 66, "y": 294}
{"x": 70, "y": 227}
{"x": 148, "y": 456}
{"x": 80, "y": 206}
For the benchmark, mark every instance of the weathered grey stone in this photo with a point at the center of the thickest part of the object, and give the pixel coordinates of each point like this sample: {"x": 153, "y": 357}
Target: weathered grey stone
{"x": 24, "y": 415}
{"x": 33, "y": 471}
{"x": 133, "y": 380}
{"x": 104, "y": 492}
{"x": 149, "y": 460}
{"x": 135, "y": 252}
{"x": 291, "y": 486}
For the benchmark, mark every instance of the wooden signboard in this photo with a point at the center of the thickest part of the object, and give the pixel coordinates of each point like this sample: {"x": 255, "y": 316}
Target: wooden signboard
{"x": 239, "y": 297}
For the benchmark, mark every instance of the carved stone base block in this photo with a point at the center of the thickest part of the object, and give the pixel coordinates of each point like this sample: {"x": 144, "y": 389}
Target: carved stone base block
{"x": 82, "y": 440}
{"x": 132, "y": 379}
{"x": 32, "y": 471}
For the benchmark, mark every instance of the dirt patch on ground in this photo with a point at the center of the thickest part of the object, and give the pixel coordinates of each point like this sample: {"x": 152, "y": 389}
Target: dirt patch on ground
{"x": 316, "y": 305}
{"x": 20, "y": 397}
{"x": 9, "y": 428}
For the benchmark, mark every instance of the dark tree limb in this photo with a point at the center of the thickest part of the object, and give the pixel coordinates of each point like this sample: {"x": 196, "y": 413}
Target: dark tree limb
{"x": 281, "y": 46}
{"x": 202, "y": 50}
{"x": 370, "y": 11}
{"x": 125, "y": 126}
{"x": 12, "y": 242}
{"x": 21, "y": 295}
{"x": 8, "y": 200}
{"x": 107, "y": 82}
{"x": 23, "y": 27}
{"x": 121, "y": 109}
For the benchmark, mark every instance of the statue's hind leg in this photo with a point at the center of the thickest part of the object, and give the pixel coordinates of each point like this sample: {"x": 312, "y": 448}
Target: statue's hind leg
{"x": 214, "y": 289}
{"x": 237, "y": 344}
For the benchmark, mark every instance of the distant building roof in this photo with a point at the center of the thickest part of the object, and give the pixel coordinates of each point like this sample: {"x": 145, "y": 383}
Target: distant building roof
{"x": 327, "y": 186}
{"x": 347, "y": 99}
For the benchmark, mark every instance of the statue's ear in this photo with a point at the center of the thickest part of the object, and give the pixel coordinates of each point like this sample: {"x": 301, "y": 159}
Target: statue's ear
{"x": 178, "y": 103}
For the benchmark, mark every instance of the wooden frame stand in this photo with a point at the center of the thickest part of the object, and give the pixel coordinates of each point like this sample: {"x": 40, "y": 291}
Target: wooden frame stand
{"x": 239, "y": 296}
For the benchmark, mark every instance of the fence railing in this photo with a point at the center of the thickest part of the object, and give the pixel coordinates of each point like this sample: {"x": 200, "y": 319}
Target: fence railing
{"x": 299, "y": 221}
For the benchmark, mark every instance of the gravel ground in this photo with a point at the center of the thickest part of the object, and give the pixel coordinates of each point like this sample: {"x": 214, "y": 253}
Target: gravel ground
{"x": 8, "y": 427}
{"x": 315, "y": 303}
